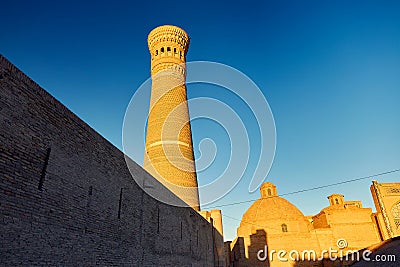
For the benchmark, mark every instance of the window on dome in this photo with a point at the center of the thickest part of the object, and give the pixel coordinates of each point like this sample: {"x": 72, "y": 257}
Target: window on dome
{"x": 336, "y": 201}
{"x": 284, "y": 228}
{"x": 269, "y": 191}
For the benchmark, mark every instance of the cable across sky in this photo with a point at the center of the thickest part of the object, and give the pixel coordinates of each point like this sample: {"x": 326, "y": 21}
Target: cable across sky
{"x": 311, "y": 189}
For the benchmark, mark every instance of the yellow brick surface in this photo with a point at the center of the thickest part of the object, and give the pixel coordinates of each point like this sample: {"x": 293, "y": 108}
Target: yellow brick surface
{"x": 169, "y": 150}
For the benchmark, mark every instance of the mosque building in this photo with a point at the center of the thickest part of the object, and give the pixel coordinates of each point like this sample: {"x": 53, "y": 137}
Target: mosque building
{"x": 273, "y": 224}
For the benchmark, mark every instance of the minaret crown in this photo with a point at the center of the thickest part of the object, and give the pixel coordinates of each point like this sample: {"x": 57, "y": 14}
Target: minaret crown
{"x": 168, "y": 46}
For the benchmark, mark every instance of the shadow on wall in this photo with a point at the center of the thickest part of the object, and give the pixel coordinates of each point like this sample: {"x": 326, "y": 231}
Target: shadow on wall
{"x": 67, "y": 197}
{"x": 323, "y": 263}
{"x": 257, "y": 250}
{"x": 257, "y": 242}
{"x": 384, "y": 254}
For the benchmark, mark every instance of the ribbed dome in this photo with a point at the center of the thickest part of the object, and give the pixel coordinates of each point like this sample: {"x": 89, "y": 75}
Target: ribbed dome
{"x": 271, "y": 212}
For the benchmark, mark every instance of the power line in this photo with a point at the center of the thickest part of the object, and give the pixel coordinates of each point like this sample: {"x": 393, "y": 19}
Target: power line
{"x": 310, "y": 189}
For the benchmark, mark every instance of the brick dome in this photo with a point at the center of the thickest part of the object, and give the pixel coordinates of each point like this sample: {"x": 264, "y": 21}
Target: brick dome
{"x": 273, "y": 214}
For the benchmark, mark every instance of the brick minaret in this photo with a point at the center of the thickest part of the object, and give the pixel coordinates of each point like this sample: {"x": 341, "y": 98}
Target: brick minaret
{"x": 169, "y": 151}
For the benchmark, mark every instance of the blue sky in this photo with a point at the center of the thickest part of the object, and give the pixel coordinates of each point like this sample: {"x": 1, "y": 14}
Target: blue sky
{"x": 330, "y": 71}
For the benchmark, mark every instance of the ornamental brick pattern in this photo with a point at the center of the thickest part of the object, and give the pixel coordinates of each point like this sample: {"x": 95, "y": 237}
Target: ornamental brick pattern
{"x": 169, "y": 150}
{"x": 386, "y": 198}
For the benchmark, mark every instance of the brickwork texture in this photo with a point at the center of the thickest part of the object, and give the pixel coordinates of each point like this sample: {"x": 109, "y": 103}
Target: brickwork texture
{"x": 169, "y": 150}
{"x": 67, "y": 197}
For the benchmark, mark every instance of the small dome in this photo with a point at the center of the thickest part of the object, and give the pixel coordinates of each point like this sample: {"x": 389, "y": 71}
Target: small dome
{"x": 273, "y": 214}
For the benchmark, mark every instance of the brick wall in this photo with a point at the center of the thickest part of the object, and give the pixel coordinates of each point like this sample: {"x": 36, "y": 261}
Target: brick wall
{"x": 68, "y": 199}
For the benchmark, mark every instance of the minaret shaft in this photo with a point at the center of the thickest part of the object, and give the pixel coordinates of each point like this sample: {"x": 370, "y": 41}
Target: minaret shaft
{"x": 169, "y": 150}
